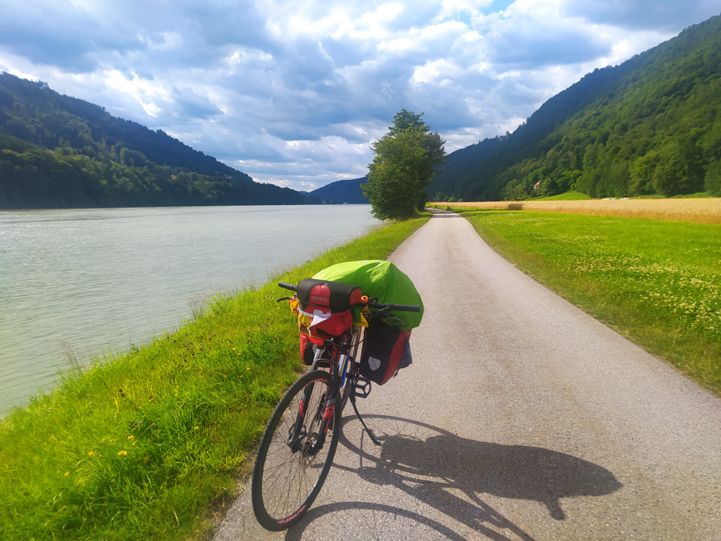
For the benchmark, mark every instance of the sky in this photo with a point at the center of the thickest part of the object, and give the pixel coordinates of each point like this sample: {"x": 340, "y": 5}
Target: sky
{"x": 294, "y": 93}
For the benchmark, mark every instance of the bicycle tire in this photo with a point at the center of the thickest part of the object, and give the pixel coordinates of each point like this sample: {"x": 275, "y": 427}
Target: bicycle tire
{"x": 285, "y": 460}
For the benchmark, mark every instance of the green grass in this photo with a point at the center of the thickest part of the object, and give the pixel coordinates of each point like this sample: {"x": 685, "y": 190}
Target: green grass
{"x": 151, "y": 445}
{"x": 657, "y": 282}
{"x": 566, "y": 196}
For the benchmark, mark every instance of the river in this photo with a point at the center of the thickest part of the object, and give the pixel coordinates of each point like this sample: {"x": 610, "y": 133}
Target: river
{"x": 79, "y": 284}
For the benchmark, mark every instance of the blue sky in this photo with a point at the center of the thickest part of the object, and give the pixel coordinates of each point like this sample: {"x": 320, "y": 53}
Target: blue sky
{"x": 294, "y": 93}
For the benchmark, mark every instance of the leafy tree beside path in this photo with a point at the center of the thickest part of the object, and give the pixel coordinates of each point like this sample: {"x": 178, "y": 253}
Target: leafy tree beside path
{"x": 404, "y": 162}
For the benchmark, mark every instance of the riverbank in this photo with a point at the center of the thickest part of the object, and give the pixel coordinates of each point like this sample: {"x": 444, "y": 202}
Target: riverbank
{"x": 151, "y": 444}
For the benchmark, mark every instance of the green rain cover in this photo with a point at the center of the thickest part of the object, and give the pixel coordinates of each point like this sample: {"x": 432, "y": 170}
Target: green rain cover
{"x": 381, "y": 280}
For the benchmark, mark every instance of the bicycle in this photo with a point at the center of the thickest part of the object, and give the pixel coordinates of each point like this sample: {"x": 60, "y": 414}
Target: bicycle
{"x": 300, "y": 440}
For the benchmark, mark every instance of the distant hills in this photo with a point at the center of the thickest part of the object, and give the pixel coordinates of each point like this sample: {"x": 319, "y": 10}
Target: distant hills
{"x": 651, "y": 125}
{"x": 342, "y": 191}
{"x": 58, "y": 151}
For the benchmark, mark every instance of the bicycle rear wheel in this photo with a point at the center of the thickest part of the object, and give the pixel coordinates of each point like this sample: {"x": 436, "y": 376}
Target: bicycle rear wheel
{"x": 292, "y": 462}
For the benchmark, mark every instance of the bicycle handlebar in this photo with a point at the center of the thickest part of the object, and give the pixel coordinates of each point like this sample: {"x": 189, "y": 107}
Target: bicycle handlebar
{"x": 374, "y": 305}
{"x": 399, "y": 307}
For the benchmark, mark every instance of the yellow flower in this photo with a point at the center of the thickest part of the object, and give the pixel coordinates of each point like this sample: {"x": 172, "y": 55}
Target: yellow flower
{"x": 131, "y": 438}
{"x": 91, "y": 453}
{"x": 66, "y": 474}
{"x": 123, "y": 452}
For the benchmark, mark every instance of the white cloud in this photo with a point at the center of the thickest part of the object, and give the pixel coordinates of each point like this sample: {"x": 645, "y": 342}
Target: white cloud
{"x": 436, "y": 71}
{"x": 152, "y": 96}
{"x": 295, "y": 94}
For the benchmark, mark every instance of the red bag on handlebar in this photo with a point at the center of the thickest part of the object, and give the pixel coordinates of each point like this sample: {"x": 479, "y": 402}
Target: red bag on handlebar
{"x": 332, "y": 296}
{"x": 325, "y": 308}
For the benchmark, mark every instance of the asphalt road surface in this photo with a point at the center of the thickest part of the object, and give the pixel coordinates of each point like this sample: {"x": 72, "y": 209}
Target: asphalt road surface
{"x": 520, "y": 418}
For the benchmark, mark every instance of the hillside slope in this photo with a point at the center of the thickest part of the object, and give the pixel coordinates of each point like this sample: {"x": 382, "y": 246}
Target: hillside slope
{"x": 649, "y": 125}
{"x": 342, "y": 191}
{"x": 58, "y": 151}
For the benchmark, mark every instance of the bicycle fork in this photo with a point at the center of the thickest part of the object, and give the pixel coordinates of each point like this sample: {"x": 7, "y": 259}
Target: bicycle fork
{"x": 325, "y": 413}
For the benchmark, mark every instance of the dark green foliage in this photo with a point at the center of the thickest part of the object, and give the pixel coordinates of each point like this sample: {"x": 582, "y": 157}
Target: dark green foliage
{"x": 57, "y": 151}
{"x": 650, "y": 125}
{"x": 342, "y": 191}
{"x": 643, "y": 170}
{"x": 402, "y": 167}
{"x": 712, "y": 182}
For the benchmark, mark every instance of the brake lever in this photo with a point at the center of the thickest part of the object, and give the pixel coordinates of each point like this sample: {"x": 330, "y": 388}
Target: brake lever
{"x": 284, "y": 299}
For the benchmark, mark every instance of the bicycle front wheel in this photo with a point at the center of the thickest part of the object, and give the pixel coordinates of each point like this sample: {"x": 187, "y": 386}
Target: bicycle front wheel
{"x": 294, "y": 457}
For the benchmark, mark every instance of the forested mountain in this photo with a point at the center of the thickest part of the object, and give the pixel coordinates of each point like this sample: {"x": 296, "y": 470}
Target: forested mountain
{"x": 649, "y": 125}
{"x": 342, "y": 191}
{"x": 58, "y": 151}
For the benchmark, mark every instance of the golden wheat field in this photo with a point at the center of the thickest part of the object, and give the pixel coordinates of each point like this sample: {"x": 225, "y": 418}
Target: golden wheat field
{"x": 703, "y": 210}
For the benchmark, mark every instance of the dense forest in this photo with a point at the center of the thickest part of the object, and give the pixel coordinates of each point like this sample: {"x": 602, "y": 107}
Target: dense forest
{"x": 651, "y": 125}
{"x": 57, "y": 151}
{"x": 342, "y": 191}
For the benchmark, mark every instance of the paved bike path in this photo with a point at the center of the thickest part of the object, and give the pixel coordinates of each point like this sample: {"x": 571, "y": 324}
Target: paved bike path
{"x": 520, "y": 418}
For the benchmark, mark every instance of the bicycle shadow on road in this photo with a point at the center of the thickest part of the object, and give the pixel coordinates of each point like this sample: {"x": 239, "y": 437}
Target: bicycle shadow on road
{"x": 426, "y": 462}
{"x": 381, "y": 519}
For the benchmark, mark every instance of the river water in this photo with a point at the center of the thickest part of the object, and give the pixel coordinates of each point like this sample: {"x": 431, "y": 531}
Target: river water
{"x": 77, "y": 284}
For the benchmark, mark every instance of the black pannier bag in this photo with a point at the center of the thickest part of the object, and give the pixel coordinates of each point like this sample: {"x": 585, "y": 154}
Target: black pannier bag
{"x": 386, "y": 349}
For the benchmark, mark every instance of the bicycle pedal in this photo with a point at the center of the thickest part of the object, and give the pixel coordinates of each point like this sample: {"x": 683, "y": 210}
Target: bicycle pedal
{"x": 362, "y": 387}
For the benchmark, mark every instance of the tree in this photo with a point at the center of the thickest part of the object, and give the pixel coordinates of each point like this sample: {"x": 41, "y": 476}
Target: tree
{"x": 712, "y": 182}
{"x": 403, "y": 165}
{"x": 642, "y": 173}
{"x": 680, "y": 169}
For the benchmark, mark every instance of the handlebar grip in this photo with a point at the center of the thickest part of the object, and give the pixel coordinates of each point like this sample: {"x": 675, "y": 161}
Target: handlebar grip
{"x": 285, "y": 285}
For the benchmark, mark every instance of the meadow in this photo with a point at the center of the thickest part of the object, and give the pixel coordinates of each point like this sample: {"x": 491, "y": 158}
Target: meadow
{"x": 701, "y": 210}
{"x": 152, "y": 444}
{"x": 657, "y": 282}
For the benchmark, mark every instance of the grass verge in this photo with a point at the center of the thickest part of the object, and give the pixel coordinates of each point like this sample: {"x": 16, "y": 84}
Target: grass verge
{"x": 657, "y": 282}
{"x": 151, "y": 445}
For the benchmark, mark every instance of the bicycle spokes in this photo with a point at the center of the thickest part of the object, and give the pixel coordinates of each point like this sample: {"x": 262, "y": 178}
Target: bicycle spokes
{"x": 296, "y": 451}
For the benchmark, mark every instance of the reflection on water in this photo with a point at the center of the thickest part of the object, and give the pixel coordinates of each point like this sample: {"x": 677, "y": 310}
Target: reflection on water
{"x": 78, "y": 283}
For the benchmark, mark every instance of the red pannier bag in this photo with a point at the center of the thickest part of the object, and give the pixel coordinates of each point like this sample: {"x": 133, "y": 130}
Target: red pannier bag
{"x": 307, "y": 353}
{"x": 324, "y": 311}
{"x": 386, "y": 350}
